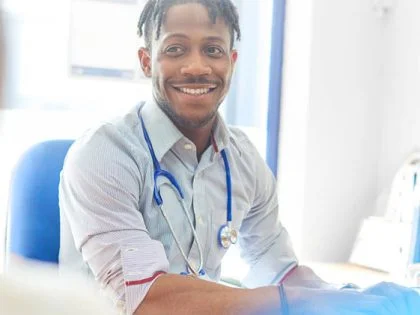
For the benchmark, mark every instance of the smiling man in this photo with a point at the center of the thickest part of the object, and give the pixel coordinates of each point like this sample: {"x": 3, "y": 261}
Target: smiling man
{"x": 150, "y": 202}
{"x": 191, "y": 65}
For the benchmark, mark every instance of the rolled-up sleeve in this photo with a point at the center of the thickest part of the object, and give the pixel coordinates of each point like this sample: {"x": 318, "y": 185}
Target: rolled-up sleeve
{"x": 264, "y": 242}
{"x": 99, "y": 197}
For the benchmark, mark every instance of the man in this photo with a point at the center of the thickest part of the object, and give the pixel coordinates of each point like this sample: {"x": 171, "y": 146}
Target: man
{"x": 141, "y": 231}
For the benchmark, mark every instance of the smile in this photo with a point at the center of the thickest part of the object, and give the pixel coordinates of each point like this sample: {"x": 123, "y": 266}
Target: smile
{"x": 195, "y": 92}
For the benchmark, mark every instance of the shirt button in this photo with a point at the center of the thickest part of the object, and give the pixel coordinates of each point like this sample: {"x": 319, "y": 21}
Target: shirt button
{"x": 188, "y": 146}
{"x": 200, "y": 220}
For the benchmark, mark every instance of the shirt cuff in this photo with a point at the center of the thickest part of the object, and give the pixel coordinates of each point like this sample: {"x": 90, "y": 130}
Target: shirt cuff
{"x": 141, "y": 268}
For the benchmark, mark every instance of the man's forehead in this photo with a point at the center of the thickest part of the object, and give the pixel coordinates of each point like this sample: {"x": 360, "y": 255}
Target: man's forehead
{"x": 188, "y": 18}
{"x": 187, "y": 13}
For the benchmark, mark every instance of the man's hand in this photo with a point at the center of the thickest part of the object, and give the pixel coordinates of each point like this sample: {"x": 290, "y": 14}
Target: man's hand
{"x": 311, "y": 301}
{"x": 309, "y": 294}
{"x": 405, "y": 301}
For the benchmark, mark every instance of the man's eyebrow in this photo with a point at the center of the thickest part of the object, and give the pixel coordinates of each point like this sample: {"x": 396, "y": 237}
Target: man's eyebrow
{"x": 215, "y": 38}
{"x": 172, "y": 35}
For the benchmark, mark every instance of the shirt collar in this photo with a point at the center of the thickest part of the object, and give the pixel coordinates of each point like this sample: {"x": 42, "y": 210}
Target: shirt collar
{"x": 221, "y": 133}
{"x": 224, "y": 137}
{"x": 162, "y": 132}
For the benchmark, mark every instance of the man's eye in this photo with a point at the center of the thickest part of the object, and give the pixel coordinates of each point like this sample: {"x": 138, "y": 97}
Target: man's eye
{"x": 174, "y": 50}
{"x": 214, "y": 51}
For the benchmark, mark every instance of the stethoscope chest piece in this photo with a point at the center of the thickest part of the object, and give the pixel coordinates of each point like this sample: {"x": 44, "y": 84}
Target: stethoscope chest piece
{"x": 227, "y": 236}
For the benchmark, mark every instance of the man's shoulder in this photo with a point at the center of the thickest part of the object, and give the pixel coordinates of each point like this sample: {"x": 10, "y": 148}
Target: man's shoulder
{"x": 241, "y": 138}
{"x": 117, "y": 134}
{"x": 238, "y": 134}
{"x": 124, "y": 124}
{"x": 245, "y": 141}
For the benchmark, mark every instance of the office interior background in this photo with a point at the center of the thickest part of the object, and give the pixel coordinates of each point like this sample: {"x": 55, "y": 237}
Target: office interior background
{"x": 349, "y": 113}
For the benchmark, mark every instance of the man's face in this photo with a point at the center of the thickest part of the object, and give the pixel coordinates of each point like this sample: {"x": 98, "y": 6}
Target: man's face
{"x": 191, "y": 65}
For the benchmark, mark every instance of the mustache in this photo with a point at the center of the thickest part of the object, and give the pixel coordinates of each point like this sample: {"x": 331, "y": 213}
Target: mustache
{"x": 196, "y": 80}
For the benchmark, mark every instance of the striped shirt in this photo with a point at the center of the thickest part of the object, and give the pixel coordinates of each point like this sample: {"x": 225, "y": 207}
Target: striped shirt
{"x": 112, "y": 229}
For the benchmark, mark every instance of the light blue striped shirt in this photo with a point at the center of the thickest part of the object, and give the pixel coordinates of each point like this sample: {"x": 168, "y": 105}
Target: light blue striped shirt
{"x": 112, "y": 228}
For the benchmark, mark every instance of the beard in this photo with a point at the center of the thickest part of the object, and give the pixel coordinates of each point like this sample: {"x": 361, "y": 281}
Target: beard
{"x": 187, "y": 123}
{"x": 181, "y": 121}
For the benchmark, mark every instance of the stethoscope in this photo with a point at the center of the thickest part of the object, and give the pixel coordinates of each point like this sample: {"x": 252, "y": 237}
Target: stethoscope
{"x": 227, "y": 234}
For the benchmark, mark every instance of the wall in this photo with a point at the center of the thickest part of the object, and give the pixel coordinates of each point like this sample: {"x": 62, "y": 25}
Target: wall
{"x": 331, "y": 121}
{"x": 401, "y": 133}
{"x": 294, "y": 116}
{"x": 38, "y": 37}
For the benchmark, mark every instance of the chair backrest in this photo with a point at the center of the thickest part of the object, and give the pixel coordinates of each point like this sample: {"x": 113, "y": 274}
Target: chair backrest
{"x": 34, "y": 216}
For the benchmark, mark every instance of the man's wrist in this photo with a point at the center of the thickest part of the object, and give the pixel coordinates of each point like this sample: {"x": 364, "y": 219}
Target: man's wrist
{"x": 287, "y": 275}
{"x": 284, "y": 306}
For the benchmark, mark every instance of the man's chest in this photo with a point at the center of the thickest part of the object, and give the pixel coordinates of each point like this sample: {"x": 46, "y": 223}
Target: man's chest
{"x": 202, "y": 210}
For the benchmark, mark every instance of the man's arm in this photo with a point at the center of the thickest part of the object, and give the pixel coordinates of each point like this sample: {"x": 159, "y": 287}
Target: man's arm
{"x": 175, "y": 294}
{"x": 98, "y": 194}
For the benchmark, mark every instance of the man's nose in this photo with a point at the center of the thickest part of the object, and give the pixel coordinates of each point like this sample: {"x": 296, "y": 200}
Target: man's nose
{"x": 196, "y": 66}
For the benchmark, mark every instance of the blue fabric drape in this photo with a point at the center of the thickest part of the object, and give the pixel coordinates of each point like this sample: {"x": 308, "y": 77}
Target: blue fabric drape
{"x": 276, "y": 66}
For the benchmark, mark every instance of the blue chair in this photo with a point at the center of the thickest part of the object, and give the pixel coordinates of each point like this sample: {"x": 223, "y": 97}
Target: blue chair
{"x": 33, "y": 229}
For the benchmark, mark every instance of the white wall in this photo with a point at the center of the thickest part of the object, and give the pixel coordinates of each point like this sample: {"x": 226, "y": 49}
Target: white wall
{"x": 294, "y": 116}
{"x": 38, "y": 38}
{"x": 401, "y": 132}
{"x": 331, "y": 121}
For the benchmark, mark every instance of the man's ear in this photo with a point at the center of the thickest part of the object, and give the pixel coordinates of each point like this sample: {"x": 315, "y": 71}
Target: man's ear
{"x": 234, "y": 56}
{"x": 145, "y": 61}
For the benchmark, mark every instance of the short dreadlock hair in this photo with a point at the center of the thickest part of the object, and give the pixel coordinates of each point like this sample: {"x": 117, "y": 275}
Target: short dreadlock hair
{"x": 153, "y": 15}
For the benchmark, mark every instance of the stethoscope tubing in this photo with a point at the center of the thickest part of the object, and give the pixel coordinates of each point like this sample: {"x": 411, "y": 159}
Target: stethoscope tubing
{"x": 178, "y": 244}
{"x": 228, "y": 187}
{"x": 158, "y": 171}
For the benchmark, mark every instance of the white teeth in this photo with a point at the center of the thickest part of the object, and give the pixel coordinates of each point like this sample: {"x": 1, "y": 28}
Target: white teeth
{"x": 194, "y": 91}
